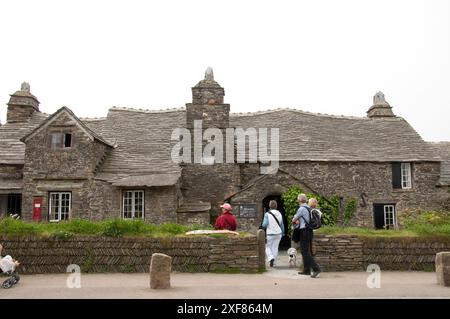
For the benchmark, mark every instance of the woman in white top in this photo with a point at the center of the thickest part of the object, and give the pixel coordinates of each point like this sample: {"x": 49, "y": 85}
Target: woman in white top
{"x": 273, "y": 224}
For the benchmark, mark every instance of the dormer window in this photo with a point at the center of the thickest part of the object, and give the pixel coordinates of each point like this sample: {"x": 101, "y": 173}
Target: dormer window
{"x": 60, "y": 140}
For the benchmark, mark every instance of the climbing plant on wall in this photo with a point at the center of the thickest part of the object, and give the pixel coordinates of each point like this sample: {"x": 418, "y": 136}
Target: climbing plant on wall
{"x": 350, "y": 210}
{"x": 329, "y": 206}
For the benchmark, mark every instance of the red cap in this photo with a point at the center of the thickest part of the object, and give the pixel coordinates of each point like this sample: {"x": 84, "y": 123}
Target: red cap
{"x": 226, "y": 206}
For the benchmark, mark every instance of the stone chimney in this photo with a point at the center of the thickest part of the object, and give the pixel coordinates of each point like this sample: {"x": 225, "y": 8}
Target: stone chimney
{"x": 380, "y": 107}
{"x": 208, "y": 91}
{"x": 207, "y": 103}
{"x": 22, "y": 105}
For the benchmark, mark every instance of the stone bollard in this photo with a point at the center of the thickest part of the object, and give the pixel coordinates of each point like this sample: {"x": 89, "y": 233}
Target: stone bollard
{"x": 160, "y": 268}
{"x": 261, "y": 237}
{"x": 443, "y": 268}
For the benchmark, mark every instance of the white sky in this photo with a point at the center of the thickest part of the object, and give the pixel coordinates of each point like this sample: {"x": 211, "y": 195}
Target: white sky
{"x": 318, "y": 56}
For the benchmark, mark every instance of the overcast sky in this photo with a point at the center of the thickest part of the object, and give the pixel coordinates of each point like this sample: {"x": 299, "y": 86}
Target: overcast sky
{"x": 318, "y": 56}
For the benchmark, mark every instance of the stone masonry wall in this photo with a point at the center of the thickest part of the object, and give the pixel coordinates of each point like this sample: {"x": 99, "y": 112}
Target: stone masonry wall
{"x": 69, "y": 169}
{"x": 350, "y": 253}
{"x": 341, "y": 253}
{"x": 161, "y": 204}
{"x": 404, "y": 253}
{"x": 369, "y": 183}
{"x": 203, "y": 254}
{"x": 210, "y": 184}
{"x": 106, "y": 254}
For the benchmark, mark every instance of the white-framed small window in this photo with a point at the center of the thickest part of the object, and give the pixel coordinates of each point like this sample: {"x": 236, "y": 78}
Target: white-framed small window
{"x": 390, "y": 220}
{"x": 406, "y": 175}
{"x": 59, "y": 206}
{"x": 133, "y": 204}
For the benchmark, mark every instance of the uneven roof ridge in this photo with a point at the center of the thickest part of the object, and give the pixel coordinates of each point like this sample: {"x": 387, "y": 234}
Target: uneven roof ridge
{"x": 296, "y": 111}
{"x": 168, "y": 110}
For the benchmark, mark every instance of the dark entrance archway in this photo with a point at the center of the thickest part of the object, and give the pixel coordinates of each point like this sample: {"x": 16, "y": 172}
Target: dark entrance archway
{"x": 285, "y": 240}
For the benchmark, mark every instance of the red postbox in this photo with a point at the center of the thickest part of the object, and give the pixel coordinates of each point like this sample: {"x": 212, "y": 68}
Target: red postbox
{"x": 37, "y": 209}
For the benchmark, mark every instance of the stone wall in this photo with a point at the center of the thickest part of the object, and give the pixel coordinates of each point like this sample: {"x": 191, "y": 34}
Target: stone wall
{"x": 106, "y": 254}
{"x": 19, "y": 113}
{"x": 341, "y": 253}
{"x": 76, "y": 162}
{"x": 368, "y": 182}
{"x": 73, "y": 170}
{"x": 349, "y": 253}
{"x": 210, "y": 115}
{"x": 404, "y": 253}
{"x": 67, "y": 169}
{"x": 205, "y": 254}
{"x": 210, "y": 184}
{"x": 161, "y": 204}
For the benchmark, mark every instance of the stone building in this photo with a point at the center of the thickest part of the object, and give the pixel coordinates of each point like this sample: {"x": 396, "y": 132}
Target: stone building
{"x": 56, "y": 167}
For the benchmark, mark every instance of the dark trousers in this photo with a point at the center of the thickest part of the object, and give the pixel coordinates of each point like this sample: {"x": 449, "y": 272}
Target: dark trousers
{"x": 306, "y": 238}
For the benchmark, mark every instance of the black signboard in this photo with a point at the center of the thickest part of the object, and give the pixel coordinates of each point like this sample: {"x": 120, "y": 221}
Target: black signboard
{"x": 247, "y": 210}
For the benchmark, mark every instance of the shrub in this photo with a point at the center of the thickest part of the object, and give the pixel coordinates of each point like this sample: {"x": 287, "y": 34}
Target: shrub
{"x": 328, "y": 206}
{"x": 429, "y": 223}
{"x": 61, "y": 235}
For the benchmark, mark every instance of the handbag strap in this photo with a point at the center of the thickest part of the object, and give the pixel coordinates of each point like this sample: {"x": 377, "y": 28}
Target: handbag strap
{"x": 278, "y": 223}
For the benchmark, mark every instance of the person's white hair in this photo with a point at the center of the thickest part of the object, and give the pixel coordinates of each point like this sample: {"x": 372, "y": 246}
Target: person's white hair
{"x": 302, "y": 198}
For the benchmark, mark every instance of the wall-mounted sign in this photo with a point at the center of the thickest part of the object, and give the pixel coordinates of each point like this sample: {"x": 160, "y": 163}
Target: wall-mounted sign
{"x": 247, "y": 210}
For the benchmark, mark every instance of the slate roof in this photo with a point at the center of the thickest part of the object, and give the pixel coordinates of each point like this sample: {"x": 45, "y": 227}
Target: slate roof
{"x": 148, "y": 180}
{"x": 143, "y": 140}
{"x": 317, "y": 137}
{"x": 12, "y": 150}
{"x": 443, "y": 149}
{"x": 144, "y": 146}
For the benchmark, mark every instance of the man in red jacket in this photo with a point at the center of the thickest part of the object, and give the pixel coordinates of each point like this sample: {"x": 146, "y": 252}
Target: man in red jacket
{"x": 227, "y": 219}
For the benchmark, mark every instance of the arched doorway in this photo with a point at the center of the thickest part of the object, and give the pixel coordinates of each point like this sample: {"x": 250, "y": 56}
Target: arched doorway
{"x": 285, "y": 240}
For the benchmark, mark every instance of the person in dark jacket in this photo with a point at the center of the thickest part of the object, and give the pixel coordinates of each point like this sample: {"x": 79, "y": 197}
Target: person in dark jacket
{"x": 227, "y": 220}
{"x": 301, "y": 220}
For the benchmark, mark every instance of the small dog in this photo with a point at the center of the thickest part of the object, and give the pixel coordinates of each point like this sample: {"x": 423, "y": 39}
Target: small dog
{"x": 292, "y": 253}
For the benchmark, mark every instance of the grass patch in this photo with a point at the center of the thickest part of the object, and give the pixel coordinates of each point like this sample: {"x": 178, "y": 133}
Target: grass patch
{"x": 365, "y": 232}
{"x": 64, "y": 230}
{"x": 425, "y": 224}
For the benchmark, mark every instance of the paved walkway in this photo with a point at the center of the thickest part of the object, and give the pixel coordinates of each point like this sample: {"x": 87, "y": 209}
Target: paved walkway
{"x": 280, "y": 283}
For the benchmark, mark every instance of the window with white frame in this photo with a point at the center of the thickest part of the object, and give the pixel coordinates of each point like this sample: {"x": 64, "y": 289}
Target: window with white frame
{"x": 406, "y": 175}
{"x": 133, "y": 204}
{"x": 59, "y": 206}
{"x": 389, "y": 217}
{"x": 401, "y": 175}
